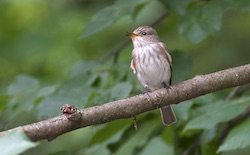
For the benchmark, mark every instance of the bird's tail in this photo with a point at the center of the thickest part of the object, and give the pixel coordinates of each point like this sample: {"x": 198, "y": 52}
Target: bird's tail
{"x": 167, "y": 115}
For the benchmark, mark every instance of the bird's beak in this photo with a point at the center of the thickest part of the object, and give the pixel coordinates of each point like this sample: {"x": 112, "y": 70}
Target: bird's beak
{"x": 131, "y": 34}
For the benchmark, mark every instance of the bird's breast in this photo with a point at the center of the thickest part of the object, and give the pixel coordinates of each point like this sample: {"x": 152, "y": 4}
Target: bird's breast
{"x": 151, "y": 67}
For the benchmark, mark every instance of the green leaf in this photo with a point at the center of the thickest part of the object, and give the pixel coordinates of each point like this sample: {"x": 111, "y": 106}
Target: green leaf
{"x": 116, "y": 127}
{"x": 157, "y": 144}
{"x": 82, "y": 68}
{"x": 182, "y": 110}
{"x": 206, "y": 99}
{"x": 139, "y": 139}
{"x": 73, "y": 91}
{"x": 3, "y": 102}
{"x": 218, "y": 112}
{"x": 77, "y": 90}
{"x": 102, "y": 148}
{"x": 121, "y": 90}
{"x": 99, "y": 97}
{"x": 182, "y": 64}
{"x": 207, "y": 147}
{"x": 51, "y": 105}
{"x": 237, "y": 138}
{"x": 101, "y": 20}
{"x": 108, "y": 15}
{"x": 97, "y": 150}
{"x": 200, "y": 22}
{"x": 23, "y": 94}
{"x": 137, "y": 10}
{"x": 242, "y": 4}
{"x": 15, "y": 142}
{"x": 23, "y": 85}
{"x": 178, "y": 6}
{"x": 45, "y": 91}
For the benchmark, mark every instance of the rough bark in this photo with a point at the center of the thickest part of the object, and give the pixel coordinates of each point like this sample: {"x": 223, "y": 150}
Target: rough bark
{"x": 74, "y": 118}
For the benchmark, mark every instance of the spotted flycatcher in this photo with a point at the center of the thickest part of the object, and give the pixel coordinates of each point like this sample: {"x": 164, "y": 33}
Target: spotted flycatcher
{"x": 152, "y": 65}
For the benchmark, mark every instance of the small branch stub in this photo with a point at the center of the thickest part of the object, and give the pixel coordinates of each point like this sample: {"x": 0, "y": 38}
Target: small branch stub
{"x": 71, "y": 112}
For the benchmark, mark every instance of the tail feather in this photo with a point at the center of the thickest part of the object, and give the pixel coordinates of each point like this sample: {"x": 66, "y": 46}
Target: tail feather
{"x": 167, "y": 115}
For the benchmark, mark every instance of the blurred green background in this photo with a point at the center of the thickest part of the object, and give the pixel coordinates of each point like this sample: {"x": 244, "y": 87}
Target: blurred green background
{"x": 51, "y": 53}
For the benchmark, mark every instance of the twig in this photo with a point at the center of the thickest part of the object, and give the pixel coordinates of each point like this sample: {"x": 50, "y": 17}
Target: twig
{"x": 135, "y": 123}
{"x": 117, "y": 50}
{"x": 194, "y": 146}
{"x": 244, "y": 115}
{"x": 233, "y": 93}
{"x": 238, "y": 91}
{"x": 133, "y": 106}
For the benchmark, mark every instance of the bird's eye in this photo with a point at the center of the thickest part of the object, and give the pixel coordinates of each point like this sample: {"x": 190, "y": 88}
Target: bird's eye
{"x": 144, "y": 33}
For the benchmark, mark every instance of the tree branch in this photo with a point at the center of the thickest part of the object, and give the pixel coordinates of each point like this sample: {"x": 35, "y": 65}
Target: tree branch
{"x": 129, "y": 107}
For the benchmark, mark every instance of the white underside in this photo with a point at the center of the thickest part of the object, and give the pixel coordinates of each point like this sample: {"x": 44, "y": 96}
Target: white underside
{"x": 155, "y": 70}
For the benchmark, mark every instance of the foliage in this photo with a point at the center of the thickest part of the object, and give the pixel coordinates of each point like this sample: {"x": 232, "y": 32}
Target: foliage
{"x": 15, "y": 142}
{"x": 50, "y": 52}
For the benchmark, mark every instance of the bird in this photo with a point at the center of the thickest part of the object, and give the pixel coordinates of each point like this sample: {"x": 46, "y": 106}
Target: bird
{"x": 152, "y": 64}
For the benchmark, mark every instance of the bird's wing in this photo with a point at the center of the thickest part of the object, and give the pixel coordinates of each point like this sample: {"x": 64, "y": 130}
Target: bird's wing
{"x": 133, "y": 65}
{"x": 167, "y": 56}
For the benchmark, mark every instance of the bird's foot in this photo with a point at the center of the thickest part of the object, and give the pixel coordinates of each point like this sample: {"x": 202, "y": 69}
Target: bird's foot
{"x": 146, "y": 89}
{"x": 165, "y": 85}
